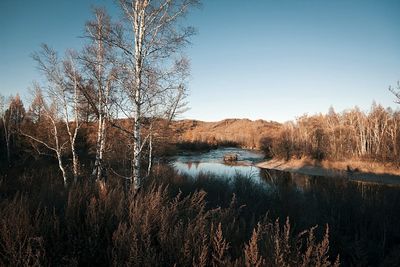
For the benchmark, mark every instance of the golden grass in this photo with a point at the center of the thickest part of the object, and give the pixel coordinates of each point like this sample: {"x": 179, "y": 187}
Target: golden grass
{"x": 327, "y": 167}
{"x": 362, "y": 166}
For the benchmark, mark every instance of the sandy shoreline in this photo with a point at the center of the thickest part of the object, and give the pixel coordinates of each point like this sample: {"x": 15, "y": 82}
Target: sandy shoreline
{"x": 365, "y": 171}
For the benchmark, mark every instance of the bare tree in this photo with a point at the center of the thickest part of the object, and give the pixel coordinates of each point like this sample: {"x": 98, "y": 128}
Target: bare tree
{"x": 99, "y": 66}
{"x": 50, "y": 112}
{"x": 150, "y": 40}
{"x": 60, "y": 104}
{"x": 71, "y": 106}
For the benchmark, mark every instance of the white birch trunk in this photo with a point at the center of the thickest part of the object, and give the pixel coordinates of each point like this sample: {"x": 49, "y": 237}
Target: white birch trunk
{"x": 97, "y": 169}
{"x": 72, "y": 133}
{"x": 58, "y": 150}
{"x": 150, "y": 154}
{"x": 75, "y": 160}
{"x": 97, "y": 165}
{"x": 102, "y": 101}
{"x": 100, "y": 146}
{"x": 139, "y": 29}
{"x": 61, "y": 166}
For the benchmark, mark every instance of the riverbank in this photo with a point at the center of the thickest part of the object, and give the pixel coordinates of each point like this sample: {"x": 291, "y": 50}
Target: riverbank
{"x": 353, "y": 170}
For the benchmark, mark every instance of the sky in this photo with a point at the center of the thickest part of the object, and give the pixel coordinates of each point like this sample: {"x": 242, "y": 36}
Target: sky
{"x": 257, "y": 59}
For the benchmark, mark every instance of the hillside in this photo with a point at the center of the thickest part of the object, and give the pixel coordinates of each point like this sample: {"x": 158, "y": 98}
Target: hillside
{"x": 244, "y": 132}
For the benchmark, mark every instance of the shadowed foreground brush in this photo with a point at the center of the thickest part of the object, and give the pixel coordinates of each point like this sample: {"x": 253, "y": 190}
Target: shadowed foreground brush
{"x": 20, "y": 240}
{"x": 153, "y": 227}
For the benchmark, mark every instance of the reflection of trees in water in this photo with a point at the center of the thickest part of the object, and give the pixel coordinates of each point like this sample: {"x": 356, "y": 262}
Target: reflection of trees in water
{"x": 364, "y": 218}
{"x": 190, "y": 164}
{"x": 286, "y": 180}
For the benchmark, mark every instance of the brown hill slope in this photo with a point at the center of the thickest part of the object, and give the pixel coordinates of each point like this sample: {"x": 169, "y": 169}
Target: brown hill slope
{"x": 244, "y": 132}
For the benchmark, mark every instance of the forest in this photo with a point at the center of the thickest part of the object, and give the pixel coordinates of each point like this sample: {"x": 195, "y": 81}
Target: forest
{"x": 351, "y": 134}
{"x": 86, "y": 176}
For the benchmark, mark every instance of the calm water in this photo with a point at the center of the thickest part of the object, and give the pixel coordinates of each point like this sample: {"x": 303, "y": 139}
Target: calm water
{"x": 194, "y": 163}
{"x": 212, "y": 162}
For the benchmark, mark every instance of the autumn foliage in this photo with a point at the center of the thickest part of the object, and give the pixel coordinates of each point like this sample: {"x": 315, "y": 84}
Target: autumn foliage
{"x": 352, "y": 134}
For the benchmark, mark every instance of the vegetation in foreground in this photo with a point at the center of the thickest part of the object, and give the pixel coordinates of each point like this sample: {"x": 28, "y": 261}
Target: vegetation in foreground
{"x": 208, "y": 221}
{"x": 172, "y": 220}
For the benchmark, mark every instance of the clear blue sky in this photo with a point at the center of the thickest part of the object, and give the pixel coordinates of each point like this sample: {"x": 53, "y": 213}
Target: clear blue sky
{"x": 265, "y": 59}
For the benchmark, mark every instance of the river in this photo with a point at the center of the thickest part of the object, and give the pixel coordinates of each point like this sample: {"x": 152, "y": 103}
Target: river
{"x": 211, "y": 162}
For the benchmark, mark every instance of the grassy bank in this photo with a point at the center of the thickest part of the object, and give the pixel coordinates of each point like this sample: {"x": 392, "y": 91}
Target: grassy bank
{"x": 362, "y": 170}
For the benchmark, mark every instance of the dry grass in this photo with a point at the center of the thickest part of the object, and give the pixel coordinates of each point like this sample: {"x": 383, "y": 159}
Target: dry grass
{"x": 243, "y": 132}
{"x": 331, "y": 168}
{"x": 208, "y": 221}
{"x": 362, "y": 166}
{"x": 157, "y": 226}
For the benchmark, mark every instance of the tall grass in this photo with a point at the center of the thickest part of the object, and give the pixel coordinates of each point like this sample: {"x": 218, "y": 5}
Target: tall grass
{"x": 171, "y": 221}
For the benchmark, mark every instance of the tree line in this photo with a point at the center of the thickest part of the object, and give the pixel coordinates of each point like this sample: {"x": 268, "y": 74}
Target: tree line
{"x": 351, "y": 134}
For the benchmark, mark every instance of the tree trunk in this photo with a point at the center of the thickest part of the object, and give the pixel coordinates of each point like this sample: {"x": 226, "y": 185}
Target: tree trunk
{"x": 139, "y": 28}
{"x": 58, "y": 150}
{"x": 100, "y": 146}
{"x": 137, "y": 151}
{"x": 97, "y": 164}
{"x": 75, "y": 166}
{"x": 150, "y": 154}
{"x": 61, "y": 166}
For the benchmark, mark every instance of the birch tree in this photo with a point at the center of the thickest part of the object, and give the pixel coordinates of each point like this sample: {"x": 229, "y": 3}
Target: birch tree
{"x": 59, "y": 100}
{"x": 70, "y": 106}
{"x": 99, "y": 67}
{"x": 150, "y": 38}
{"x": 55, "y": 143}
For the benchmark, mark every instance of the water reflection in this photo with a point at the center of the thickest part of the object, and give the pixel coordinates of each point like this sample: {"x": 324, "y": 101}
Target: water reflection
{"x": 278, "y": 179}
{"x": 304, "y": 182}
{"x": 193, "y": 169}
{"x": 192, "y": 164}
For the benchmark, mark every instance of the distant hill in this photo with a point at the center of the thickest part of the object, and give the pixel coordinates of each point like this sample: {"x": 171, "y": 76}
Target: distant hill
{"x": 244, "y": 132}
